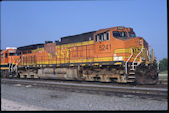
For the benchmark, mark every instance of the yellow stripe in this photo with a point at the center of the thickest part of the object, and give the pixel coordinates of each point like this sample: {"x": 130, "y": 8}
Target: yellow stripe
{"x": 4, "y": 63}
{"x": 83, "y": 64}
{"x": 39, "y": 49}
{"x": 78, "y": 61}
{"x": 76, "y": 44}
{"x": 128, "y": 50}
{"x": 102, "y": 59}
{"x": 96, "y": 64}
{"x": 3, "y": 68}
{"x": 118, "y": 63}
{"x": 122, "y": 51}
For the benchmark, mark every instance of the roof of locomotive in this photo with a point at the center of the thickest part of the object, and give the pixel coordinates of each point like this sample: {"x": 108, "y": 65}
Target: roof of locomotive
{"x": 70, "y": 39}
{"x": 30, "y": 47}
{"x": 77, "y": 38}
{"x": 2, "y": 51}
{"x": 7, "y": 49}
{"x": 85, "y": 36}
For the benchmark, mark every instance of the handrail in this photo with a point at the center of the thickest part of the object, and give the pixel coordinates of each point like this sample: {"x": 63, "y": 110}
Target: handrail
{"x": 128, "y": 60}
{"x": 158, "y": 68}
{"x": 9, "y": 67}
{"x": 136, "y": 58}
{"x": 15, "y": 67}
{"x": 148, "y": 55}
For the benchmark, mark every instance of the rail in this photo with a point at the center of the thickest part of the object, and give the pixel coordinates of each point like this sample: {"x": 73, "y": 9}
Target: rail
{"x": 160, "y": 93}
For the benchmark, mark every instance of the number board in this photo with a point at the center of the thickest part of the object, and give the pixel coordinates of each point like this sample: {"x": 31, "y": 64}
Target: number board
{"x": 104, "y": 47}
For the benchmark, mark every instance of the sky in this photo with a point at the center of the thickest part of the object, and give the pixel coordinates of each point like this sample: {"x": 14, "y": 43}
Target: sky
{"x": 31, "y": 22}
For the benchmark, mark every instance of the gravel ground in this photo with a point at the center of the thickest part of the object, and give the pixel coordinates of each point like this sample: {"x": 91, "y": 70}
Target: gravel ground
{"x": 20, "y": 97}
{"x": 11, "y": 105}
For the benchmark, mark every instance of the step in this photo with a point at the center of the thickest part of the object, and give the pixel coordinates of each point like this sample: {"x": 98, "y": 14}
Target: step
{"x": 131, "y": 77}
{"x": 130, "y": 80}
{"x": 131, "y": 73}
{"x": 132, "y": 69}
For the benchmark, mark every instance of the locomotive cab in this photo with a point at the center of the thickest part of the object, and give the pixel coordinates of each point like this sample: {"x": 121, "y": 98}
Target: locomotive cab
{"x": 123, "y": 33}
{"x": 6, "y": 55}
{"x": 8, "y": 61}
{"x": 120, "y": 46}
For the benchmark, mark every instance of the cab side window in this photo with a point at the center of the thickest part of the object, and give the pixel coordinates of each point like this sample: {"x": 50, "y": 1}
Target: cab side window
{"x": 6, "y": 55}
{"x": 116, "y": 34}
{"x": 122, "y": 35}
{"x": 91, "y": 38}
{"x": 108, "y": 36}
{"x": 102, "y": 37}
{"x": 96, "y": 38}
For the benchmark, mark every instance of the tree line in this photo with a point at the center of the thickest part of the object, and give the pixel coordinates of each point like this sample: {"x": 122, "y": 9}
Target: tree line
{"x": 163, "y": 66}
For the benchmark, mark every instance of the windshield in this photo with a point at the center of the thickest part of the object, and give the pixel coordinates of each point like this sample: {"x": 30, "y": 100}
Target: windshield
{"x": 12, "y": 54}
{"x": 120, "y": 34}
{"x": 131, "y": 34}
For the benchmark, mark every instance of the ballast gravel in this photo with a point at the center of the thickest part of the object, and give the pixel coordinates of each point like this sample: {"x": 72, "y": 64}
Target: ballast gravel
{"x": 17, "y": 97}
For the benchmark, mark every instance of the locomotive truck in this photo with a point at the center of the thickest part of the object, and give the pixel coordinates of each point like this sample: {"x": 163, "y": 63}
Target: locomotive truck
{"x": 113, "y": 54}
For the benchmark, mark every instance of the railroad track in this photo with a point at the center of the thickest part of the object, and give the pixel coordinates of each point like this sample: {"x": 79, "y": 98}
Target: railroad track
{"x": 159, "y": 85}
{"x": 145, "y": 92}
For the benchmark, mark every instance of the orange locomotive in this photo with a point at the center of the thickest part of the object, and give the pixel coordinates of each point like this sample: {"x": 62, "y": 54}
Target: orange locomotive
{"x": 9, "y": 61}
{"x": 106, "y": 55}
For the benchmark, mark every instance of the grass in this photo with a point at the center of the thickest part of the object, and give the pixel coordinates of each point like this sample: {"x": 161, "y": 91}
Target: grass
{"x": 164, "y": 72}
{"x": 163, "y": 75}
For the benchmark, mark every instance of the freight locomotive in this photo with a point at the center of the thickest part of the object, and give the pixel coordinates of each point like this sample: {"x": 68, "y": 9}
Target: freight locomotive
{"x": 113, "y": 54}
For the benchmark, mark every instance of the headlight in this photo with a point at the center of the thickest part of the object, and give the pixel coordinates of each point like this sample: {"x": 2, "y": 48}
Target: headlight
{"x": 140, "y": 41}
{"x": 120, "y": 58}
{"x": 115, "y": 58}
